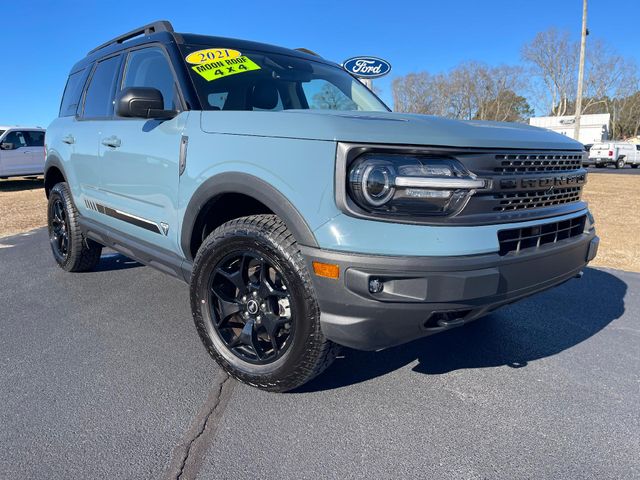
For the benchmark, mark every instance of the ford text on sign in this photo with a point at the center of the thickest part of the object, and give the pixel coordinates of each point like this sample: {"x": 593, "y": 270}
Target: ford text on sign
{"x": 367, "y": 67}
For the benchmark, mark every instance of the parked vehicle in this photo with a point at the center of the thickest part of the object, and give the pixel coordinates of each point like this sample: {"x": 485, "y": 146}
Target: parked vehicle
{"x": 614, "y": 153}
{"x": 21, "y": 151}
{"x": 301, "y": 211}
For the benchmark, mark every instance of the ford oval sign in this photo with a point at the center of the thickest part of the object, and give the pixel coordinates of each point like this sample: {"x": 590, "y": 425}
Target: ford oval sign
{"x": 367, "y": 67}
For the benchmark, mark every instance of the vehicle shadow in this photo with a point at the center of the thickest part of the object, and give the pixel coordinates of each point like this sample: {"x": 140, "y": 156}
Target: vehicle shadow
{"x": 538, "y": 327}
{"x": 21, "y": 184}
{"x": 112, "y": 261}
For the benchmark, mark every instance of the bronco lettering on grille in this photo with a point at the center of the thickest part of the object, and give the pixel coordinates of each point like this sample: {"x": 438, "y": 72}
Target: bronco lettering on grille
{"x": 545, "y": 182}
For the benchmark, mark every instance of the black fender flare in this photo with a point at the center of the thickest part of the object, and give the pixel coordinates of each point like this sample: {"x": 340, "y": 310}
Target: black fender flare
{"x": 246, "y": 184}
{"x": 53, "y": 161}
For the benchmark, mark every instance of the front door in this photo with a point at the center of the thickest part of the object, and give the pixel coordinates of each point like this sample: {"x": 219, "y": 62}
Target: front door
{"x": 16, "y": 154}
{"x": 139, "y": 158}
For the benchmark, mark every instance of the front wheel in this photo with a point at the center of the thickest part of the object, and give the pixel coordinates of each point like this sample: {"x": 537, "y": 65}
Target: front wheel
{"x": 71, "y": 250}
{"x": 254, "y": 305}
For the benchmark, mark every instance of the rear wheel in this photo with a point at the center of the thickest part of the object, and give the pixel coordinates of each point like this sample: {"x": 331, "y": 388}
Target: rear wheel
{"x": 620, "y": 163}
{"x": 254, "y": 305}
{"x": 71, "y": 250}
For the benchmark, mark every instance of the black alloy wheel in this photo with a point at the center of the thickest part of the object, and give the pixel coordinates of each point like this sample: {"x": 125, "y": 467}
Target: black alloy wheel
{"x": 59, "y": 231}
{"x": 254, "y": 305}
{"x": 71, "y": 250}
{"x": 251, "y": 307}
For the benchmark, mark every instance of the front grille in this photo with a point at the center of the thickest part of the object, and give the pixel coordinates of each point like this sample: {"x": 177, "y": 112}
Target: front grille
{"x": 536, "y": 163}
{"x": 536, "y": 199}
{"x": 517, "y": 239}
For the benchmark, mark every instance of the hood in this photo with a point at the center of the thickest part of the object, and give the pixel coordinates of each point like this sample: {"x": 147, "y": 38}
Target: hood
{"x": 385, "y": 128}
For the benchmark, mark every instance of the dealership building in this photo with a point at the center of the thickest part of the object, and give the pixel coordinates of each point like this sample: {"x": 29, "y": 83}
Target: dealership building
{"x": 593, "y": 128}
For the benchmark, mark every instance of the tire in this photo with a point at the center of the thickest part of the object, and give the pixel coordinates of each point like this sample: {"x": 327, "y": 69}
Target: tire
{"x": 599, "y": 165}
{"x": 258, "y": 254}
{"x": 72, "y": 251}
{"x": 620, "y": 163}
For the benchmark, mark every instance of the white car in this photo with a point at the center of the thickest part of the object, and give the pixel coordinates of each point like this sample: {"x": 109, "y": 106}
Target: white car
{"x": 614, "y": 153}
{"x": 21, "y": 151}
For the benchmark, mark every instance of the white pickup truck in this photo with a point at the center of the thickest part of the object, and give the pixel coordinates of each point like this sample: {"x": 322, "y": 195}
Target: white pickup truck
{"x": 21, "y": 151}
{"x": 614, "y": 153}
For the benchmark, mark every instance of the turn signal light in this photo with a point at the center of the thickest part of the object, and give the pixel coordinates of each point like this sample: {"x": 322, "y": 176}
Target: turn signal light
{"x": 327, "y": 270}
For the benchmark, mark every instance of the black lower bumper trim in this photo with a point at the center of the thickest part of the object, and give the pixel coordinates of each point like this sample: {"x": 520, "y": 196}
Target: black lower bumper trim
{"x": 425, "y": 295}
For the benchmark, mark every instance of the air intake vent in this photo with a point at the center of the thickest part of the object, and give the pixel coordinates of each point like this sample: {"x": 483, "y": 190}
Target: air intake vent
{"x": 532, "y": 163}
{"x": 518, "y": 239}
{"x": 537, "y": 199}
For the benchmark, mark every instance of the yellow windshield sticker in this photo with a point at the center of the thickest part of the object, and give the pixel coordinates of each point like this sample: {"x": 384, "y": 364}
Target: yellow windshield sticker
{"x": 211, "y": 54}
{"x": 224, "y": 68}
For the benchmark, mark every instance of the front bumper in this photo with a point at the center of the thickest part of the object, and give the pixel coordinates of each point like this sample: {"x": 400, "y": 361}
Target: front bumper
{"x": 426, "y": 295}
{"x": 598, "y": 161}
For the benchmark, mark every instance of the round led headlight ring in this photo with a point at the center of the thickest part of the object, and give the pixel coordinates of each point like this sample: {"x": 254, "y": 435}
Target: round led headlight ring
{"x": 377, "y": 186}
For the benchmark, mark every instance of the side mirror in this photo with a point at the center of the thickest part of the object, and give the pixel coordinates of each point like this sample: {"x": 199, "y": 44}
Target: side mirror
{"x": 142, "y": 102}
{"x": 6, "y": 146}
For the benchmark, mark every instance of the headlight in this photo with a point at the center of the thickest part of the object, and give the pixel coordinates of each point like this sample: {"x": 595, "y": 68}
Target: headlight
{"x": 403, "y": 185}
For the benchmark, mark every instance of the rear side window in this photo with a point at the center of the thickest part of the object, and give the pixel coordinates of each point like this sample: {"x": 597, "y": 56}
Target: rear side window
{"x": 73, "y": 93}
{"x": 149, "y": 67}
{"x": 98, "y": 100}
{"x": 34, "y": 139}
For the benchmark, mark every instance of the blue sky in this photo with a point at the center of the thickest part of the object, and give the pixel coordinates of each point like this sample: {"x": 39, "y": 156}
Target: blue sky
{"x": 41, "y": 40}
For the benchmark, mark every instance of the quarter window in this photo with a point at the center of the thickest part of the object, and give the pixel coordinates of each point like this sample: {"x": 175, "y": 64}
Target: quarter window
{"x": 72, "y": 93}
{"x": 99, "y": 97}
{"x": 149, "y": 67}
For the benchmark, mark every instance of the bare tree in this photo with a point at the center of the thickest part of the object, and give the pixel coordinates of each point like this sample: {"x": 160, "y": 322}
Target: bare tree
{"x": 553, "y": 58}
{"x": 416, "y": 93}
{"x": 471, "y": 90}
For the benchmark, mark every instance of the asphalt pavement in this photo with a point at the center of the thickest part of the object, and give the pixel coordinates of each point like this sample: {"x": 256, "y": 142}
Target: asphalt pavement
{"x": 102, "y": 375}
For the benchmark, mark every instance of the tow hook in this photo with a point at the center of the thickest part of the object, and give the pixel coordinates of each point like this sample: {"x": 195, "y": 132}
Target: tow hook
{"x": 453, "y": 322}
{"x": 579, "y": 274}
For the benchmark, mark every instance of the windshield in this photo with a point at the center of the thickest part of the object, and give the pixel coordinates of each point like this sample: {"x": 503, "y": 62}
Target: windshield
{"x": 1, "y": 132}
{"x": 230, "y": 80}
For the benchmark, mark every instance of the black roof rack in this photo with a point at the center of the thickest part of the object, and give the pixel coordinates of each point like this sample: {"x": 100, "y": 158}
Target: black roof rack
{"x": 306, "y": 50}
{"x": 159, "y": 26}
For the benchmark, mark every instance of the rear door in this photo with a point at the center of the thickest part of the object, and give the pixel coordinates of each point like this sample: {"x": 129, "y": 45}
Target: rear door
{"x": 35, "y": 144}
{"x": 86, "y": 131}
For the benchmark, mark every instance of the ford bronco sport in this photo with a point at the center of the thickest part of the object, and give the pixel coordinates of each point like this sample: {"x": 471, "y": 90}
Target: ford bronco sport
{"x": 302, "y": 212}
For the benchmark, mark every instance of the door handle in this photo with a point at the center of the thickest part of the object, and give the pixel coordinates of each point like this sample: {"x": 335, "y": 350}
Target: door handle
{"x": 69, "y": 139}
{"x": 113, "y": 142}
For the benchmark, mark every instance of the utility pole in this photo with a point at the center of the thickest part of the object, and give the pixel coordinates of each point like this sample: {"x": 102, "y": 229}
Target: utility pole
{"x": 583, "y": 47}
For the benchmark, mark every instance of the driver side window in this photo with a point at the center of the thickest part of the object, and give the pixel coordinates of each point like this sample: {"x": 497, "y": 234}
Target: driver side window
{"x": 149, "y": 67}
{"x": 15, "y": 138}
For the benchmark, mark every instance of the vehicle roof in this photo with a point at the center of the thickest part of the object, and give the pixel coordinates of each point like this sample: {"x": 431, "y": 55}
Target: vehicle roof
{"x": 21, "y": 127}
{"x": 195, "y": 39}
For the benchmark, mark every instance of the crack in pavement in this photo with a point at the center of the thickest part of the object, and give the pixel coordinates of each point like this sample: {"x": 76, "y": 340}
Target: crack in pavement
{"x": 187, "y": 456}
